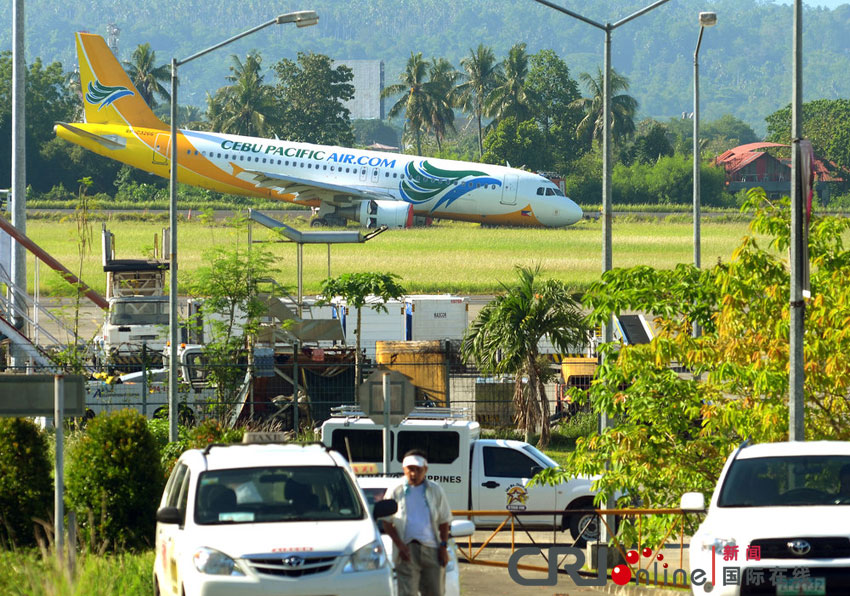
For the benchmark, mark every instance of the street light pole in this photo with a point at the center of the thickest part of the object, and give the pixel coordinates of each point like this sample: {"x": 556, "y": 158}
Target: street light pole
{"x": 303, "y": 18}
{"x": 706, "y": 19}
{"x": 607, "y": 158}
{"x": 796, "y": 379}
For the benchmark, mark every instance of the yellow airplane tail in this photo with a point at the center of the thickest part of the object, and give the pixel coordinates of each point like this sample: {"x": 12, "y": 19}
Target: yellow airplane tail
{"x": 109, "y": 96}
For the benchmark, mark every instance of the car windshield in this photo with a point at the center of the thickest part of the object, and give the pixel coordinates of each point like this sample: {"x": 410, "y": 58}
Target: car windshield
{"x": 548, "y": 461}
{"x": 787, "y": 481}
{"x": 276, "y": 494}
{"x": 139, "y": 312}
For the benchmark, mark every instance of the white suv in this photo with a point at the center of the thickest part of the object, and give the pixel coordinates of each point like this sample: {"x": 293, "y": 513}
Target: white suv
{"x": 268, "y": 519}
{"x": 778, "y": 522}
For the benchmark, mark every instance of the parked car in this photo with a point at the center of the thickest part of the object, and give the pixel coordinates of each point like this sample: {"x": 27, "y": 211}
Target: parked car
{"x": 268, "y": 519}
{"x": 778, "y": 522}
{"x": 377, "y": 488}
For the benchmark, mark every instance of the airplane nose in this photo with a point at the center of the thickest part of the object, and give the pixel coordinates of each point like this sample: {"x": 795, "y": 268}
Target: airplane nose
{"x": 572, "y": 212}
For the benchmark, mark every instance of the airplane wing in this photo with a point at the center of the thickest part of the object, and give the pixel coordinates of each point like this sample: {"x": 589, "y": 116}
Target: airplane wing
{"x": 305, "y": 189}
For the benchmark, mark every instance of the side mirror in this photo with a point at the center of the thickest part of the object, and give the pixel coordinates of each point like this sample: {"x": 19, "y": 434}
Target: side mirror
{"x": 169, "y": 515}
{"x": 384, "y": 508}
{"x": 461, "y": 527}
{"x": 692, "y": 502}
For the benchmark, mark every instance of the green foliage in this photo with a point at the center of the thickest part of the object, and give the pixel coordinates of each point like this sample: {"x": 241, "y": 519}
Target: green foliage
{"x": 209, "y": 431}
{"x": 230, "y": 284}
{"x": 26, "y": 488}
{"x": 246, "y": 106}
{"x": 520, "y": 144}
{"x": 825, "y": 122}
{"x": 114, "y": 480}
{"x": 310, "y": 97}
{"x": 623, "y": 108}
{"x": 668, "y": 180}
{"x": 33, "y": 573}
{"x": 503, "y": 339}
{"x": 146, "y": 76}
{"x": 355, "y": 288}
{"x": 480, "y": 75}
{"x": 509, "y": 97}
{"x": 672, "y": 431}
{"x": 367, "y": 132}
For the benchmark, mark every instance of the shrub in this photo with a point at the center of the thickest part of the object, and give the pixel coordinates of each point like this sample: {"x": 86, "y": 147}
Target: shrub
{"x": 114, "y": 480}
{"x": 26, "y": 486}
{"x": 198, "y": 437}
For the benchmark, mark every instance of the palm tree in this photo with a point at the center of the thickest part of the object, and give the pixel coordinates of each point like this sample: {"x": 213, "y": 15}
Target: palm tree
{"x": 146, "y": 76}
{"x": 415, "y": 98}
{"x": 509, "y": 97}
{"x": 441, "y": 84}
{"x": 504, "y": 337}
{"x": 623, "y": 107}
{"x": 481, "y": 73}
{"x": 244, "y": 106}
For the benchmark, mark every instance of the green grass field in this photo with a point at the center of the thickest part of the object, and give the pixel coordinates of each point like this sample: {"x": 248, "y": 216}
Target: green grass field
{"x": 449, "y": 257}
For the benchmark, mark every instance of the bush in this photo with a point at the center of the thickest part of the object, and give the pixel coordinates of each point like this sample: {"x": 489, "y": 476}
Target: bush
{"x": 26, "y": 485}
{"x": 197, "y": 437}
{"x": 114, "y": 480}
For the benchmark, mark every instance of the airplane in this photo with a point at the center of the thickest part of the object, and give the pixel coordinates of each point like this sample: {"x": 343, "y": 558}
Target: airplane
{"x": 372, "y": 188}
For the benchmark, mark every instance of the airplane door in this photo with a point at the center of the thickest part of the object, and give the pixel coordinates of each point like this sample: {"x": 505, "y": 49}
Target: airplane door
{"x": 162, "y": 148}
{"x": 374, "y": 175}
{"x": 362, "y": 174}
{"x": 509, "y": 190}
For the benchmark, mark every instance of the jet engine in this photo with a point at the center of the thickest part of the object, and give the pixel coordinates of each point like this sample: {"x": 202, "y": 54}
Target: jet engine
{"x": 373, "y": 214}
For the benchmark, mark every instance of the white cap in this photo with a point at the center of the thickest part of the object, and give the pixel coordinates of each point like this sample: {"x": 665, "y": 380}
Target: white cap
{"x": 414, "y": 460}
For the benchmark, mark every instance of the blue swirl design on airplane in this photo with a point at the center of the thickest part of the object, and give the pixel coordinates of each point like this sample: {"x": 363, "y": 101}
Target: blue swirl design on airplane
{"x": 99, "y": 94}
{"x": 427, "y": 181}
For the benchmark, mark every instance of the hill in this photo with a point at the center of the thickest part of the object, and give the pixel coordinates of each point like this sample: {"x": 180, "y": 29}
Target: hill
{"x": 744, "y": 61}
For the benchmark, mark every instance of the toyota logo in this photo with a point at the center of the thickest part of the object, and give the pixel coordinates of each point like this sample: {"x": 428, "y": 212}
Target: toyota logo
{"x": 799, "y": 547}
{"x": 296, "y": 561}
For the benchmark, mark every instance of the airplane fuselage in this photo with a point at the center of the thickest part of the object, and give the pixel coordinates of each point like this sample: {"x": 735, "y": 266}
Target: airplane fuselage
{"x": 226, "y": 163}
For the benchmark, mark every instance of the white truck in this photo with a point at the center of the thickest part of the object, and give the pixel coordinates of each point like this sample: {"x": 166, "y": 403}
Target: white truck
{"x": 134, "y": 325}
{"x": 476, "y": 474}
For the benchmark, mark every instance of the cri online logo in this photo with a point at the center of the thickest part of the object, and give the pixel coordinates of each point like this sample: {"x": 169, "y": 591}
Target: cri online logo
{"x": 620, "y": 575}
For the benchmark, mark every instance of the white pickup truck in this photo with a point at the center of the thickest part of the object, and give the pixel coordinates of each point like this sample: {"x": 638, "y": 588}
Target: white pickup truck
{"x": 476, "y": 474}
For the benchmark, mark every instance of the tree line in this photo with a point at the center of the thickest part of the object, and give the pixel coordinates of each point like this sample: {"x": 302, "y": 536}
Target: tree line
{"x": 525, "y": 110}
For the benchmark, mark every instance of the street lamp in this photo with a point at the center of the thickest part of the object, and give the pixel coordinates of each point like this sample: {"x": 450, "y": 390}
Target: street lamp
{"x": 607, "y": 329}
{"x": 303, "y": 18}
{"x": 706, "y": 19}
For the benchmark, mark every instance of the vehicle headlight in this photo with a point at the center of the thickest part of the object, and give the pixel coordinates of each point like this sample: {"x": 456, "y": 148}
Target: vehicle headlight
{"x": 213, "y": 562}
{"x": 718, "y": 543}
{"x": 367, "y": 558}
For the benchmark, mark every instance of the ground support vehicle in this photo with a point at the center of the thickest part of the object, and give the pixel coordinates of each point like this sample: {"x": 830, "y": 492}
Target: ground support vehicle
{"x": 268, "y": 519}
{"x": 476, "y": 474}
{"x": 778, "y": 522}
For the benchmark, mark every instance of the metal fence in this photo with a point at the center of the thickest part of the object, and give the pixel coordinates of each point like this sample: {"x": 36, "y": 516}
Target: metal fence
{"x": 322, "y": 386}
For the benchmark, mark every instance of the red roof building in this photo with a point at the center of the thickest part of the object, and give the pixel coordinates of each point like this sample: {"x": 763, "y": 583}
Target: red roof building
{"x": 748, "y": 166}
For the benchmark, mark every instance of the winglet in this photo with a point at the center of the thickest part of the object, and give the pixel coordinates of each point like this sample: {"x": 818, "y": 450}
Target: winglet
{"x": 109, "y": 96}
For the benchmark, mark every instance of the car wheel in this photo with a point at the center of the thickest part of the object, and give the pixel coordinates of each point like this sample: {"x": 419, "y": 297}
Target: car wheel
{"x": 585, "y": 528}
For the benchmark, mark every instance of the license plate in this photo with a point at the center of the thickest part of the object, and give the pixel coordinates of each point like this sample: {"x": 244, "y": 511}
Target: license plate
{"x": 801, "y": 586}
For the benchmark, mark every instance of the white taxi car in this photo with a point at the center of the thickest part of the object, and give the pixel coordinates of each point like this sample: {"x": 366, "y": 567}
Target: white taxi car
{"x": 377, "y": 488}
{"x": 262, "y": 519}
{"x": 778, "y": 522}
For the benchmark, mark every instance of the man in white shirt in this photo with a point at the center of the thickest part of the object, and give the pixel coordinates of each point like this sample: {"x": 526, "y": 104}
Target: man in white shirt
{"x": 420, "y": 530}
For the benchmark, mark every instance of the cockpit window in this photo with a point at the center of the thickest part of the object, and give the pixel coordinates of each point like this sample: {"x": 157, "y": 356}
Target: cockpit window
{"x": 550, "y": 192}
{"x": 541, "y": 191}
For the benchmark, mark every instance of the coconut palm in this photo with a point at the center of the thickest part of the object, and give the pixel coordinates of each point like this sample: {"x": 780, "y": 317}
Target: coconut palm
{"x": 442, "y": 77}
{"x": 504, "y": 337}
{"x": 243, "y": 107}
{"x": 509, "y": 97}
{"x": 481, "y": 72}
{"x": 416, "y": 101}
{"x": 623, "y": 108}
{"x": 146, "y": 76}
